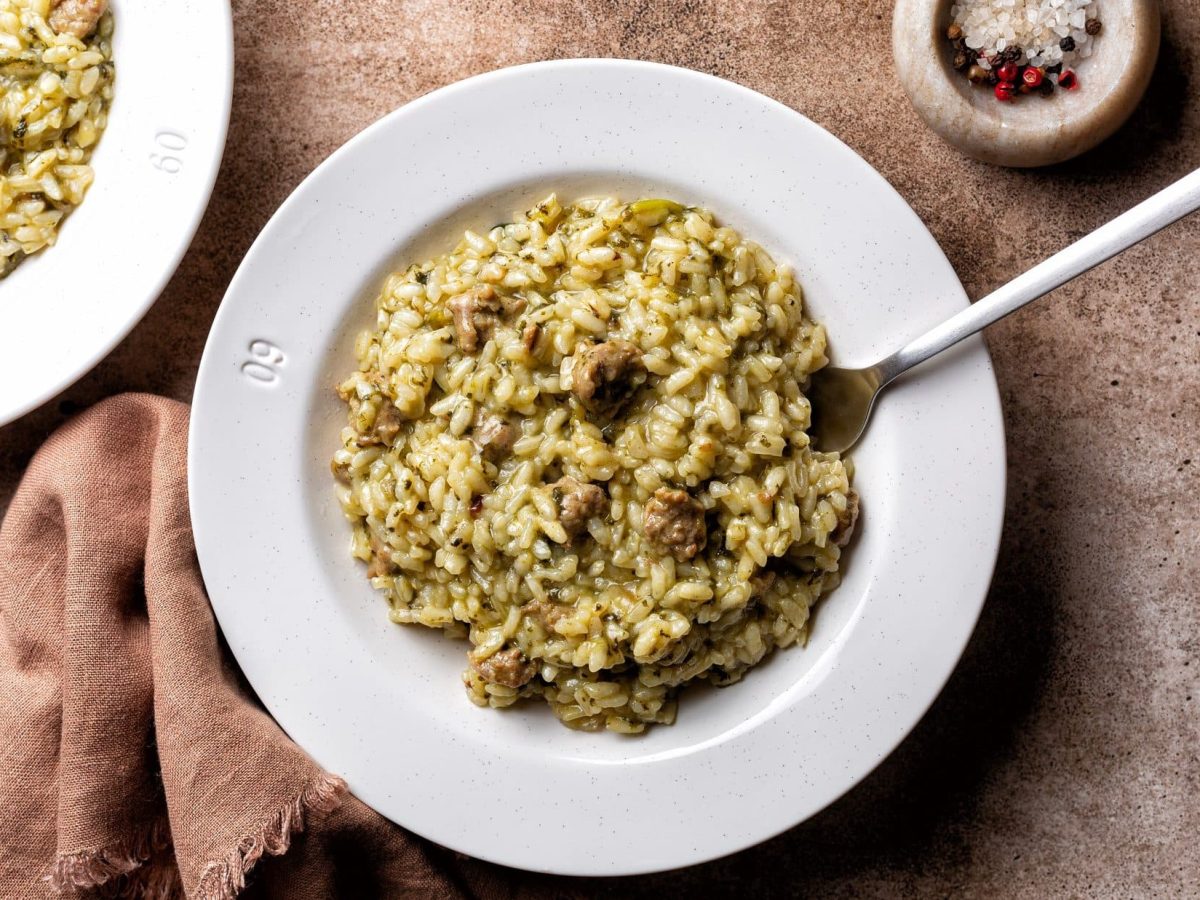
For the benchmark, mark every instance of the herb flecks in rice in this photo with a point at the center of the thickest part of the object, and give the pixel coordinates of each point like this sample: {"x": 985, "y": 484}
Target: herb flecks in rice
{"x": 56, "y": 93}
{"x": 538, "y": 551}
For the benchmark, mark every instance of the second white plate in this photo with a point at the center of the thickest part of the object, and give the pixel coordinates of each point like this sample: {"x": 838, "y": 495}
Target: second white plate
{"x": 63, "y": 309}
{"x": 383, "y": 705}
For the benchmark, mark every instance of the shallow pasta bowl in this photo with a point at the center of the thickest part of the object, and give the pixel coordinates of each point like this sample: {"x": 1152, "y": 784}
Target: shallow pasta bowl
{"x": 383, "y": 705}
{"x": 63, "y": 309}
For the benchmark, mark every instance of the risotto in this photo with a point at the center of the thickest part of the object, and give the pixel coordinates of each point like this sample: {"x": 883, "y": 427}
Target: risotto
{"x": 579, "y": 441}
{"x": 57, "y": 76}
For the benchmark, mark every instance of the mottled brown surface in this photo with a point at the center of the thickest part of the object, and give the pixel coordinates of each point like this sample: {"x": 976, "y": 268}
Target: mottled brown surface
{"x": 1063, "y": 757}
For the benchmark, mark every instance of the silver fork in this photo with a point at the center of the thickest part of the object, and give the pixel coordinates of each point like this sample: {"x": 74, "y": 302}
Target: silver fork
{"x": 842, "y": 399}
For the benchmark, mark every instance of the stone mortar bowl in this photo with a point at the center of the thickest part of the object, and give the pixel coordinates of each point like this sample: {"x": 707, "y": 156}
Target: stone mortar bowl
{"x": 1032, "y": 130}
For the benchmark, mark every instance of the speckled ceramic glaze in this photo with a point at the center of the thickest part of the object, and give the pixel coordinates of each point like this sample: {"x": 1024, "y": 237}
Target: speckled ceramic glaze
{"x": 383, "y": 705}
{"x": 63, "y": 309}
{"x": 1031, "y": 130}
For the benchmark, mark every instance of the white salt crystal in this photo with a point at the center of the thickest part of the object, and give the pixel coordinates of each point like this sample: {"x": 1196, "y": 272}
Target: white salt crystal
{"x": 1036, "y": 26}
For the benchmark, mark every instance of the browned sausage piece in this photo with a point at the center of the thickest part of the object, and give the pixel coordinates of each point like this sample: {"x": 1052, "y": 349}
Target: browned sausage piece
{"x": 77, "y": 17}
{"x": 475, "y": 313}
{"x": 529, "y": 337}
{"x": 506, "y": 667}
{"x": 606, "y": 375}
{"x": 577, "y": 502}
{"x": 388, "y": 419}
{"x": 512, "y": 306}
{"x": 381, "y": 559}
{"x": 494, "y": 436}
{"x": 846, "y": 521}
{"x": 387, "y": 425}
{"x": 674, "y": 522}
{"x": 545, "y": 612}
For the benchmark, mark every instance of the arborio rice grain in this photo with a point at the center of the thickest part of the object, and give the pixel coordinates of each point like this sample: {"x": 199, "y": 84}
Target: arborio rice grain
{"x": 579, "y": 441}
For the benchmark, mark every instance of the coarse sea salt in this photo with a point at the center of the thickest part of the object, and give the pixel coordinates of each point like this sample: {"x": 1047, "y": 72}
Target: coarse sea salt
{"x": 1038, "y": 27}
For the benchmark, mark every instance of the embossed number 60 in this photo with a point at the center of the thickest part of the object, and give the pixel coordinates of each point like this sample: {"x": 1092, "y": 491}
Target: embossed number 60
{"x": 268, "y": 359}
{"x": 169, "y": 162}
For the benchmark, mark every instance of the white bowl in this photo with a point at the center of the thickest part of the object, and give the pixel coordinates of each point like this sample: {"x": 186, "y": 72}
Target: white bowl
{"x": 65, "y": 308}
{"x": 382, "y": 704}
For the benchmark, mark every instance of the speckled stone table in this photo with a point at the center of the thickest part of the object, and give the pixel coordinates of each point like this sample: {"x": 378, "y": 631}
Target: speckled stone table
{"x": 1063, "y": 758}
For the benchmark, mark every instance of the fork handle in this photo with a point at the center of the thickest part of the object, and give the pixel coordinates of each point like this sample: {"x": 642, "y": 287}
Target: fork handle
{"x": 1149, "y": 216}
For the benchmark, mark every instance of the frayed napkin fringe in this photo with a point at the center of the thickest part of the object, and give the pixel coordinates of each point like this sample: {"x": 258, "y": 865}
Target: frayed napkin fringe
{"x": 223, "y": 880}
{"x": 131, "y": 871}
{"x": 124, "y": 870}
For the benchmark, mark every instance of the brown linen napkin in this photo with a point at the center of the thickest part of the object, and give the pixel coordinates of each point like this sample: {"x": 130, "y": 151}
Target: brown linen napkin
{"x": 133, "y": 761}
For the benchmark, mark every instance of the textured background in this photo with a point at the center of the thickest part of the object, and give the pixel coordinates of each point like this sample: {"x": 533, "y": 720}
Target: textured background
{"x": 1064, "y": 756}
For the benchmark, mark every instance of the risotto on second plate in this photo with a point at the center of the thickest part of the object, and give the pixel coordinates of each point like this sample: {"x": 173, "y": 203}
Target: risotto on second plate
{"x": 579, "y": 440}
{"x": 56, "y": 73}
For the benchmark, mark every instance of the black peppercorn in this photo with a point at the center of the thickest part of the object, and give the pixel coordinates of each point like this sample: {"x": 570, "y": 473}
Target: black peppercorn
{"x": 1054, "y": 69}
{"x": 992, "y": 77}
{"x": 1011, "y": 54}
{"x": 1092, "y": 26}
{"x": 960, "y": 61}
{"x": 1067, "y": 44}
{"x": 1047, "y": 87}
